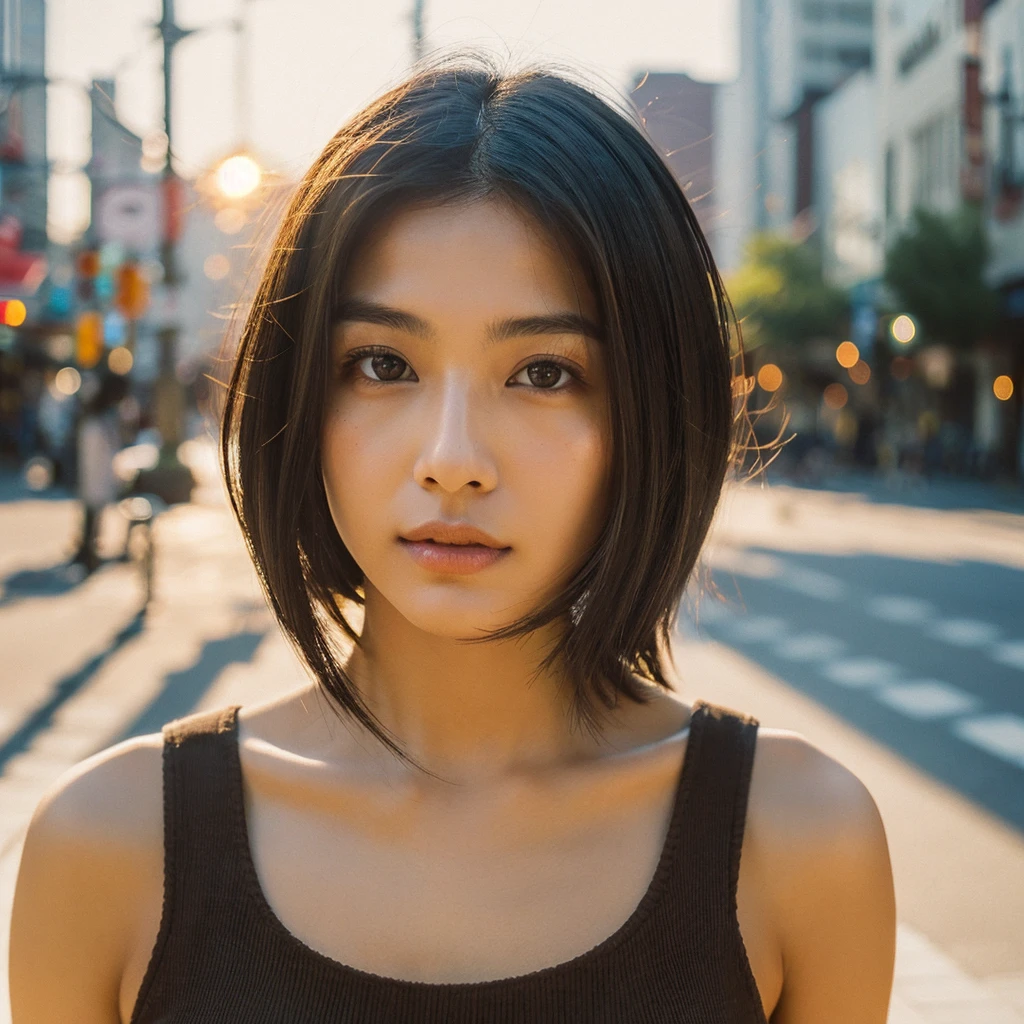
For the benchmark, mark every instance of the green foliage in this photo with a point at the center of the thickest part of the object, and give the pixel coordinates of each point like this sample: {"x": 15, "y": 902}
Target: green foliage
{"x": 781, "y": 295}
{"x": 936, "y": 270}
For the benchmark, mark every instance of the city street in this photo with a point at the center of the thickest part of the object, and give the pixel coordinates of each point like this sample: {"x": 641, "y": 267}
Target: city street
{"x": 889, "y": 634}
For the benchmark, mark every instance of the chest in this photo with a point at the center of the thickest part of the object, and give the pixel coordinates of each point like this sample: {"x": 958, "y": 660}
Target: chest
{"x": 467, "y": 891}
{"x": 472, "y": 889}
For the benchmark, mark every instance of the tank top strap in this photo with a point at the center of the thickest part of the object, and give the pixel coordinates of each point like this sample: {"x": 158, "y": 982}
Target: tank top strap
{"x": 714, "y": 814}
{"x": 203, "y": 813}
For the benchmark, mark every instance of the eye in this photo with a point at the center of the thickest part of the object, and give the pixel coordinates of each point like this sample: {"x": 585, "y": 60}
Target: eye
{"x": 385, "y": 366}
{"x": 544, "y": 374}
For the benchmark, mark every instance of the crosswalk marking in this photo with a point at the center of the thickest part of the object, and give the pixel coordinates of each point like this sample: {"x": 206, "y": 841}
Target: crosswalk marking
{"x": 855, "y": 672}
{"x": 758, "y": 629}
{"x": 963, "y": 632}
{"x": 1002, "y": 735}
{"x": 1011, "y": 654}
{"x": 927, "y": 698}
{"x": 810, "y": 647}
{"x": 904, "y": 610}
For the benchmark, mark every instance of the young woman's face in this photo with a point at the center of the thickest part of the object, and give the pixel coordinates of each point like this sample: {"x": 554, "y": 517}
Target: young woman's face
{"x": 466, "y": 435}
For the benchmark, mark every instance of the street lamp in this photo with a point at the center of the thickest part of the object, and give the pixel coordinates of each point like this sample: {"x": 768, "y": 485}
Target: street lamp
{"x": 237, "y": 177}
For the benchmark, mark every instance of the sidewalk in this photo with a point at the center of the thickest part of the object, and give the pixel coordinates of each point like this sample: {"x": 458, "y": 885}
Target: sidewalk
{"x": 208, "y": 640}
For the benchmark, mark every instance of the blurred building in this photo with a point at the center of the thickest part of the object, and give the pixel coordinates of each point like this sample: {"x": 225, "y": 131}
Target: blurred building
{"x": 678, "y": 113}
{"x": 792, "y": 53}
{"x": 929, "y": 104}
{"x": 847, "y": 198}
{"x": 1002, "y": 64}
{"x": 23, "y": 162}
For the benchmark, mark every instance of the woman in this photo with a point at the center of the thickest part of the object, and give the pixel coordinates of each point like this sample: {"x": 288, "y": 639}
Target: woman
{"x": 475, "y": 436}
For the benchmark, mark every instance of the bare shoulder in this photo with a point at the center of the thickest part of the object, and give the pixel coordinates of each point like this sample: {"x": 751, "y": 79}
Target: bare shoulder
{"x": 113, "y": 796}
{"x": 819, "y": 856}
{"x": 90, "y": 877}
{"x": 803, "y": 799}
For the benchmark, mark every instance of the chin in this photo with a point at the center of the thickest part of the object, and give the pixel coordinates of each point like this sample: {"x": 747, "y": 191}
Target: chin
{"x": 455, "y": 616}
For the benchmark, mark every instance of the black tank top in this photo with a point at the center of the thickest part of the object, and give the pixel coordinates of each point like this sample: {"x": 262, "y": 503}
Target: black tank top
{"x": 223, "y": 957}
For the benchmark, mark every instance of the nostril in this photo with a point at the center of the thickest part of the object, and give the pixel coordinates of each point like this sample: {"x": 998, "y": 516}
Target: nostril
{"x": 474, "y": 483}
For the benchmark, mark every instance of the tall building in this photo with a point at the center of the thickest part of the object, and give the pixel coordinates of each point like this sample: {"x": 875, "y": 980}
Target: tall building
{"x": 930, "y": 106}
{"x": 678, "y": 113}
{"x": 23, "y": 162}
{"x": 791, "y": 54}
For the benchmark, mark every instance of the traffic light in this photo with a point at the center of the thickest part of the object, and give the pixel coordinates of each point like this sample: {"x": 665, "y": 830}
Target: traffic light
{"x": 89, "y": 339}
{"x": 131, "y": 295}
{"x": 87, "y": 269}
{"x": 12, "y": 312}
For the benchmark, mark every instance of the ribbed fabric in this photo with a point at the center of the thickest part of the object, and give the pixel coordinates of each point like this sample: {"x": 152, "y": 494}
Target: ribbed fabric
{"x": 223, "y": 957}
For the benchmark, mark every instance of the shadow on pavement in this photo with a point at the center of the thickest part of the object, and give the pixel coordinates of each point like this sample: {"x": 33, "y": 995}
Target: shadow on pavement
{"x": 178, "y": 695}
{"x": 183, "y": 690}
{"x": 53, "y": 581}
{"x": 42, "y": 718}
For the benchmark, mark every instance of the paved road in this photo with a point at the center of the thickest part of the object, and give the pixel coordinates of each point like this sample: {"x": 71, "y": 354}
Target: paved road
{"x": 926, "y": 656}
{"x": 81, "y": 670}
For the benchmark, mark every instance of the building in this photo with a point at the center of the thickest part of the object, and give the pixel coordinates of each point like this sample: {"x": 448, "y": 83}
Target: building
{"x": 792, "y": 53}
{"x": 1003, "y": 85}
{"x": 929, "y": 103}
{"x": 23, "y": 162}
{"x": 847, "y": 193}
{"x": 678, "y": 113}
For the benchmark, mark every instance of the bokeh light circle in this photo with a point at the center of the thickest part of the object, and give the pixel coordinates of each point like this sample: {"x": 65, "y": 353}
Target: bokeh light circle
{"x": 904, "y": 330}
{"x": 68, "y": 380}
{"x": 1002, "y": 388}
{"x": 847, "y": 354}
{"x": 238, "y": 176}
{"x": 120, "y": 361}
{"x": 835, "y": 396}
{"x": 769, "y": 377}
{"x": 860, "y": 372}
{"x": 217, "y": 266}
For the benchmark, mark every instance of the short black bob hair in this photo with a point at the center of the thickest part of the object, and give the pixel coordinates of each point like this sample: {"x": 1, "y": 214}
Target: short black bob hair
{"x": 459, "y": 130}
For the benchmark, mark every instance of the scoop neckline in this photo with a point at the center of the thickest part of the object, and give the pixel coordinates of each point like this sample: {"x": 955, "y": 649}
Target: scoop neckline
{"x": 647, "y": 904}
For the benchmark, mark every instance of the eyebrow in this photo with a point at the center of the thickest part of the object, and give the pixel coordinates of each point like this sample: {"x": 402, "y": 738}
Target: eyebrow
{"x": 365, "y": 311}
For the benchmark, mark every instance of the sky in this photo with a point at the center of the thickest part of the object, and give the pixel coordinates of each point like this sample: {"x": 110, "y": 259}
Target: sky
{"x": 312, "y": 64}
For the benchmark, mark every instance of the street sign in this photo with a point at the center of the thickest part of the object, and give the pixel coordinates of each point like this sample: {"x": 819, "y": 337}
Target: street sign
{"x": 131, "y": 215}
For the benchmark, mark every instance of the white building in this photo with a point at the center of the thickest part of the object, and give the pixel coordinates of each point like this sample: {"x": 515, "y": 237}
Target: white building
{"x": 792, "y": 53}
{"x": 921, "y": 48}
{"x": 847, "y": 181}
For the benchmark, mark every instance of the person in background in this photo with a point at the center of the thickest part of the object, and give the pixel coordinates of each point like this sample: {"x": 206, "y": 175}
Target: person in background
{"x": 98, "y": 441}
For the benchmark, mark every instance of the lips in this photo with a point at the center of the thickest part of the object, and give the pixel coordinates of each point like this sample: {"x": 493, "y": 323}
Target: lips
{"x": 452, "y": 548}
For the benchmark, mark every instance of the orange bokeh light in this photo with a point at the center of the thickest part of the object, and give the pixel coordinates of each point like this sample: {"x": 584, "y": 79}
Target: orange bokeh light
{"x": 835, "y": 396}
{"x": 1002, "y": 388}
{"x": 847, "y": 355}
{"x": 769, "y": 377}
{"x": 860, "y": 372}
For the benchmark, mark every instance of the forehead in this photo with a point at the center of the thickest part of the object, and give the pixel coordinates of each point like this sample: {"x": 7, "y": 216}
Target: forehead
{"x": 485, "y": 255}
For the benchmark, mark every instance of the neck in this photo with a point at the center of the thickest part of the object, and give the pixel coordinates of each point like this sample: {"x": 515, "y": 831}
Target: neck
{"x": 469, "y": 711}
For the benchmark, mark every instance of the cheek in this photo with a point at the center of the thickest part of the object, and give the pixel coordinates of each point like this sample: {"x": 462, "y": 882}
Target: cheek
{"x": 355, "y": 467}
{"x": 563, "y": 476}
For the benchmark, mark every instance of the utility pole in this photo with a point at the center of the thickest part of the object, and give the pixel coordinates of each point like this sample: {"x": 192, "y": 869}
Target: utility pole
{"x": 417, "y": 29}
{"x": 172, "y": 480}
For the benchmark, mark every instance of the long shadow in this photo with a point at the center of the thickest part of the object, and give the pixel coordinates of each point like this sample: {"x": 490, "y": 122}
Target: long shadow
{"x": 181, "y": 691}
{"x": 53, "y": 581}
{"x": 42, "y": 718}
{"x": 178, "y": 695}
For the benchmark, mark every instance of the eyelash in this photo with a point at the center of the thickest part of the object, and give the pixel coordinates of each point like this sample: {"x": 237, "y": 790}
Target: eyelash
{"x": 356, "y": 356}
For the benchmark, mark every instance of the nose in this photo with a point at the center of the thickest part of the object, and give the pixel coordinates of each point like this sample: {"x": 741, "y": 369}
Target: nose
{"x": 453, "y": 454}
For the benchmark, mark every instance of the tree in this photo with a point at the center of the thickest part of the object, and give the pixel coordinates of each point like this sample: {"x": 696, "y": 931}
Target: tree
{"x": 781, "y": 295}
{"x": 936, "y": 270}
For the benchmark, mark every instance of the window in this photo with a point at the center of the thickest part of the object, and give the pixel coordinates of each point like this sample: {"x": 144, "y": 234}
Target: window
{"x": 934, "y": 161}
